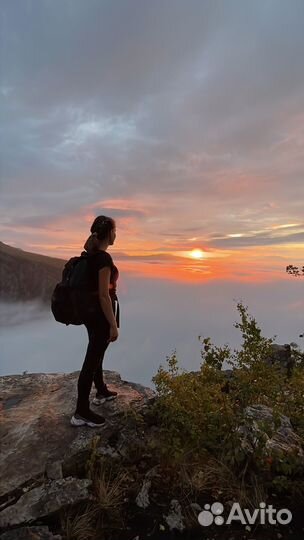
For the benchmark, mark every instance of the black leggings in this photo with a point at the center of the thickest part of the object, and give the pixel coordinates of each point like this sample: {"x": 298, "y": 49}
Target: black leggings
{"x": 98, "y": 329}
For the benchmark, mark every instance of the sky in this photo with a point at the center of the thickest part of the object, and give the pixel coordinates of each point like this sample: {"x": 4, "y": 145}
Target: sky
{"x": 181, "y": 120}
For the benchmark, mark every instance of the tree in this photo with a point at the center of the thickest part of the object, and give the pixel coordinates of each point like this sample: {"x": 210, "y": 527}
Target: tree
{"x": 294, "y": 270}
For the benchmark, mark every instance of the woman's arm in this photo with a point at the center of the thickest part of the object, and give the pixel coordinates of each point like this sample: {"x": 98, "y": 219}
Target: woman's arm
{"x": 104, "y": 275}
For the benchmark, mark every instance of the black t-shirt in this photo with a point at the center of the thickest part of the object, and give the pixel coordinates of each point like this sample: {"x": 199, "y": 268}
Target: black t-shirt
{"x": 96, "y": 262}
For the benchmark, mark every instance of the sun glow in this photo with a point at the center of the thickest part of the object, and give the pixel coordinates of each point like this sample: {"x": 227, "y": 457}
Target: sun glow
{"x": 197, "y": 254}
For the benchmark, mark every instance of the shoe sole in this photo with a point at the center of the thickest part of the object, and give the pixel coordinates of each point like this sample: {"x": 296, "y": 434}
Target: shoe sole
{"x": 77, "y": 422}
{"x": 100, "y": 401}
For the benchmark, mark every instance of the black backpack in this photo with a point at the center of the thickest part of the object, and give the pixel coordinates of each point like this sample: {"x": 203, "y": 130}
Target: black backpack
{"x": 72, "y": 301}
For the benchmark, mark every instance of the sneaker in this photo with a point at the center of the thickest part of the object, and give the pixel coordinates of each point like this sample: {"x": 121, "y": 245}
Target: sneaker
{"x": 105, "y": 395}
{"x": 90, "y": 419}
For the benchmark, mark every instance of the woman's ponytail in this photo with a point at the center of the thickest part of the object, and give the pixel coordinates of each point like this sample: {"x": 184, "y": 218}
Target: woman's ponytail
{"x": 91, "y": 243}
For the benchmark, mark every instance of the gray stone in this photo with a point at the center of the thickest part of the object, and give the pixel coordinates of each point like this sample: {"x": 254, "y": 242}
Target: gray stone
{"x": 283, "y": 439}
{"x": 107, "y": 451}
{"x": 142, "y": 499}
{"x": 53, "y": 470}
{"x": 42, "y": 454}
{"x": 35, "y": 425}
{"x": 174, "y": 519}
{"x": 30, "y": 533}
{"x": 45, "y": 500}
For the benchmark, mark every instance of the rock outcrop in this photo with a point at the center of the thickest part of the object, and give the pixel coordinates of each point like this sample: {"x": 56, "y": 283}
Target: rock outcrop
{"x": 41, "y": 453}
{"x": 50, "y": 497}
{"x": 51, "y": 471}
{"x": 282, "y": 439}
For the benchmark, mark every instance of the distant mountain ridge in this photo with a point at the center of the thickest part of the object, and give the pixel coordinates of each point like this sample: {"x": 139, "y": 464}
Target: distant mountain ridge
{"x": 27, "y": 276}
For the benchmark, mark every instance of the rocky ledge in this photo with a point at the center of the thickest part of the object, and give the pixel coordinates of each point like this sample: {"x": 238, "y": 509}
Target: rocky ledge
{"x": 42, "y": 455}
{"x": 78, "y": 483}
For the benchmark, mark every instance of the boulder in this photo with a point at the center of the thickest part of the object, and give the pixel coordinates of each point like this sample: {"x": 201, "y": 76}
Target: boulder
{"x": 282, "y": 440}
{"x": 45, "y": 500}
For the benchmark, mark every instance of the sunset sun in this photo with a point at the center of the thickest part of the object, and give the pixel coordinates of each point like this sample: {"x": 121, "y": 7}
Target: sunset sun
{"x": 197, "y": 254}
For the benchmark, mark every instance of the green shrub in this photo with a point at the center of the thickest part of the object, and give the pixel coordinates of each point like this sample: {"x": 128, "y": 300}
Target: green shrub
{"x": 199, "y": 413}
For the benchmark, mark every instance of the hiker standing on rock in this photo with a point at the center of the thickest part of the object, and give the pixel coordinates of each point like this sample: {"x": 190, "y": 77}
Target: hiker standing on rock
{"x": 102, "y": 325}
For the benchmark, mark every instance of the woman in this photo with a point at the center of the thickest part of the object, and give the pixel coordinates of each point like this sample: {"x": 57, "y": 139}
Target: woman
{"x": 102, "y": 325}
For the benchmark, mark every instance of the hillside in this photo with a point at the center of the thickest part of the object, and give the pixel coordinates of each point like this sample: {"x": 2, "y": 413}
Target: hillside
{"x": 25, "y": 275}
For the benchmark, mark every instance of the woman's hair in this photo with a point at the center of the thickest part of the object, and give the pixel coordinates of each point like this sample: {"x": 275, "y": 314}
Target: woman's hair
{"x": 100, "y": 230}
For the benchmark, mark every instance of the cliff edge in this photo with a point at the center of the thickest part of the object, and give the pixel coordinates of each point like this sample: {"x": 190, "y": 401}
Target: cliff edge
{"x": 42, "y": 455}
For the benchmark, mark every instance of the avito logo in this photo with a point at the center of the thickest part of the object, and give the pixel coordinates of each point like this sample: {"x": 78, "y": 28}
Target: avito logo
{"x": 213, "y": 514}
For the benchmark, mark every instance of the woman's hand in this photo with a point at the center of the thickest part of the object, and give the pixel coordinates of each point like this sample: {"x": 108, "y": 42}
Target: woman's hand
{"x": 113, "y": 333}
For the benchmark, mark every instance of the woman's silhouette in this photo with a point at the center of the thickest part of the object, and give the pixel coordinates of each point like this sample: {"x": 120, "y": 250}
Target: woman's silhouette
{"x": 102, "y": 325}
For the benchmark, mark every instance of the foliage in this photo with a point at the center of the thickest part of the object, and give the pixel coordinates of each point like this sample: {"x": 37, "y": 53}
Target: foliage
{"x": 202, "y": 413}
{"x": 294, "y": 270}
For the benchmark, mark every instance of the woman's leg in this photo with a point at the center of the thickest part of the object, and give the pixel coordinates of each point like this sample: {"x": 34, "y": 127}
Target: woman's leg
{"x": 98, "y": 333}
{"x": 101, "y": 387}
{"x": 98, "y": 376}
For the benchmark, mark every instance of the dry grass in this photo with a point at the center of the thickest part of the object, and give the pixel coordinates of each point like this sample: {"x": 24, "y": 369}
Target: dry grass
{"x": 216, "y": 479}
{"x": 79, "y": 526}
{"x": 110, "y": 489}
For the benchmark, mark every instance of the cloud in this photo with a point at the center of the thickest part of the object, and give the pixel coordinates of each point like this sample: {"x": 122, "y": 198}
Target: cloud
{"x": 32, "y": 340}
{"x": 190, "y": 112}
{"x": 263, "y": 239}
